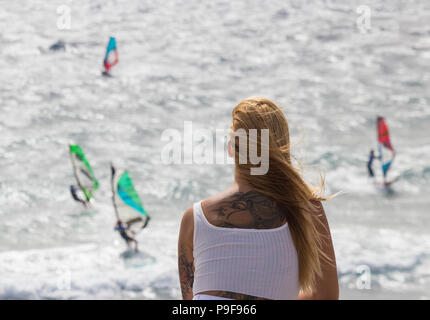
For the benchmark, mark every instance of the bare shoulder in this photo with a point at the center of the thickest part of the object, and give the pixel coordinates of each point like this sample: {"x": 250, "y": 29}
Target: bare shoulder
{"x": 188, "y": 217}
{"x": 318, "y": 209}
{"x": 322, "y": 225}
{"x": 187, "y": 228}
{"x": 246, "y": 210}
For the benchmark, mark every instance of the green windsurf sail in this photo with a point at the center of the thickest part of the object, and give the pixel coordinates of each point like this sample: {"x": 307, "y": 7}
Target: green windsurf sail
{"x": 83, "y": 172}
{"x": 128, "y": 206}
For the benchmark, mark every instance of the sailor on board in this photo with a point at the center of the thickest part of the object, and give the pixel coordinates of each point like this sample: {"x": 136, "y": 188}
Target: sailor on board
{"x": 124, "y": 231}
{"x": 370, "y": 163}
{"x": 74, "y": 191}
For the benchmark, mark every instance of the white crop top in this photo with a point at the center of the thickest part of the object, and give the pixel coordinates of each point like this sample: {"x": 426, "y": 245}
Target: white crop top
{"x": 257, "y": 262}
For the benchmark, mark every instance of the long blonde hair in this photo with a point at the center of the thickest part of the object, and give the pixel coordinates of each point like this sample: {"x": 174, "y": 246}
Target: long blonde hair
{"x": 283, "y": 182}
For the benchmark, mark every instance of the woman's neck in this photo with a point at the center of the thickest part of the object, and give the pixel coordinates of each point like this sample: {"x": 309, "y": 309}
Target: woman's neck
{"x": 240, "y": 183}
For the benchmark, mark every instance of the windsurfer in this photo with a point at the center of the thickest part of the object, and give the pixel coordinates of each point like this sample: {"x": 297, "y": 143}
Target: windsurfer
{"x": 75, "y": 195}
{"x": 111, "y": 57}
{"x": 124, "y": 230}
{"x": 370, "y": 162}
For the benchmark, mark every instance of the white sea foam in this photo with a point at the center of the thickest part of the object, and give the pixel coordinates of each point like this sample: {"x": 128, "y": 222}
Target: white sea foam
{"x": 193, "y": 61}
{"x": 80, "y": 272}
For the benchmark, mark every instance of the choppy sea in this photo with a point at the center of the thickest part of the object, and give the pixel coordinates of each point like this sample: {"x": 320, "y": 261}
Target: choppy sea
{"x": 333, "y": 66}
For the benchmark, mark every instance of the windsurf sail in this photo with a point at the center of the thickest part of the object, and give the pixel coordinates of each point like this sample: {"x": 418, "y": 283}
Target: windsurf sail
{"x": 111, "y": 56}
{"x": 83, "y": 172}
{"x": 128, "y": 207}
{"x": 384, "y": 143}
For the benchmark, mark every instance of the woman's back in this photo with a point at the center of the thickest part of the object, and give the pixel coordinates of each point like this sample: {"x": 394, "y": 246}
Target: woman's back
{"x": 243, "y": 248}
{"x": 245, "y": 209}
{"x": 240, "y": 243}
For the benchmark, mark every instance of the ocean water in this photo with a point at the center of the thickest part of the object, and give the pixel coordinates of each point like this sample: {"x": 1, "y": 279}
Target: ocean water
{"x": 194, "y": 61}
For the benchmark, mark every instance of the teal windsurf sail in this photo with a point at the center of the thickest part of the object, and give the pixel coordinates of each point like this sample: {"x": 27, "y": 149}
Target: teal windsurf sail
{"x": 83, "y": 172}
{"x": 128, "y": 207}
{"x": 111, "y": 55}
